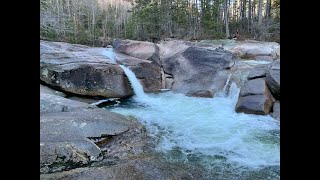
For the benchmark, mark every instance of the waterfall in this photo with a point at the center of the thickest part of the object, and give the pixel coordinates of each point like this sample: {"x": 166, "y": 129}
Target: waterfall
{"x": 110, "y": 54}
{"x": 135, "y": 84}
{"x": 226, "y": 85}
{"x": 225, "y": 91}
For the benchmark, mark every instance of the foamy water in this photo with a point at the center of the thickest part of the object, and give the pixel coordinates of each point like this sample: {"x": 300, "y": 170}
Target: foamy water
{"x": 205, "y": 127}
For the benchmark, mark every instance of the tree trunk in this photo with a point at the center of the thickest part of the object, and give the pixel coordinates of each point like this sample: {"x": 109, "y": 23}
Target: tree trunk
{"x": 226, "y": 17}
{"x": 249, "y": 17}
{"x": 268, "y": 12}
{"x": 260, "y": 13}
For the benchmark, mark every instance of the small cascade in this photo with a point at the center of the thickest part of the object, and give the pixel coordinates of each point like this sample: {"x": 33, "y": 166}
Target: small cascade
{"x": 224, "y": 90}
{"x": 135, "y": 84}
{"x": 110, "y": 54}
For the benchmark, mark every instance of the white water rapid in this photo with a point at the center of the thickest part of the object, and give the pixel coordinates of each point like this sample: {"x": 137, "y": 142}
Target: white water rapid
{"x": 205, "y": 128}
{"x": 135, "y": 84}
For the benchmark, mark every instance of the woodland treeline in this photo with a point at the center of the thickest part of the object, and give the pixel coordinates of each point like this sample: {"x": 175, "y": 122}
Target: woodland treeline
{"x": 95, "y": 22}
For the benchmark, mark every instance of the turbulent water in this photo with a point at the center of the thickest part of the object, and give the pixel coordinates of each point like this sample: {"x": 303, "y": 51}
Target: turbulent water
{"x": 207, "y": 132}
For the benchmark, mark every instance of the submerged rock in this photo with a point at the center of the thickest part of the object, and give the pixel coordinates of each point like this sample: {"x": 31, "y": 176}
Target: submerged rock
{"x": 200, "y": 93}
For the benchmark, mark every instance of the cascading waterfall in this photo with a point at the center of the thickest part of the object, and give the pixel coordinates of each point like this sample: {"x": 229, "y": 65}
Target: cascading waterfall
{"x": 227, "y": 83}
{"x": 224, "y": 91}
{"x": 206, "y": 131}
{"x": 135, "y": 84}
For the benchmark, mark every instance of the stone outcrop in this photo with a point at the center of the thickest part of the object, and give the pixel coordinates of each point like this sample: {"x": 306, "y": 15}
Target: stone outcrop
{"x": 199, "y": 72}
{"x": 138, "y": 49}
{"x": 273, "y": 78}
{"x": 255, "y": 98}
{"x": 247, "y": 49}
{"x": 82, "y": 71}
{"x": 66, "y": 127}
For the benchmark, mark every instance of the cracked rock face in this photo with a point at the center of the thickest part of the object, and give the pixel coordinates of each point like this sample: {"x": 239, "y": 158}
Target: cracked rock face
{"x": 62, "y": 152}
{"x": 66, "y": 127}
{"x": 199, "y": 71}
{"x": 255, "y": 98}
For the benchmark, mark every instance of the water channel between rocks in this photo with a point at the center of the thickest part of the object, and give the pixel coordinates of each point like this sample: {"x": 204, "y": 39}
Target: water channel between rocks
{"x": 206, "y": 132}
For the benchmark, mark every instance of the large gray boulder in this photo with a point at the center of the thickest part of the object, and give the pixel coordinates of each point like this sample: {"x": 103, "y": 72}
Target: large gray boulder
{"x": 138, "y": 49}
{"x": 253, "y": 87}
{"x": 84, "y": 122}
{"x": 82, "y": 70}
{"x": 258, "y": 50}
{"x": 247, "y": 49}
{"x": 273, "y": 78}
{"x": 170, "y": 48}
{"x": 198, "y": 71}
{"x": 258, "y": 72}
{"x": 255, "y": 98}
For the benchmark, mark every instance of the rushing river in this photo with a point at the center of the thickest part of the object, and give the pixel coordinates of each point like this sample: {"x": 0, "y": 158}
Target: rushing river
{"x": 207, "y": 132}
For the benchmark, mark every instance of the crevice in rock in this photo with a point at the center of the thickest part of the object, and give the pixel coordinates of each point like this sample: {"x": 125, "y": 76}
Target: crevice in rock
{"x": 102, "y": 140}
{"x": 70, "y": 95}
{"x": 61, "y": 164}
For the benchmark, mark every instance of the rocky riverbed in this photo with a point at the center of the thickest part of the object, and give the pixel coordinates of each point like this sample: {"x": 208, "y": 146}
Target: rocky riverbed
{"x": 79, "y": 140}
